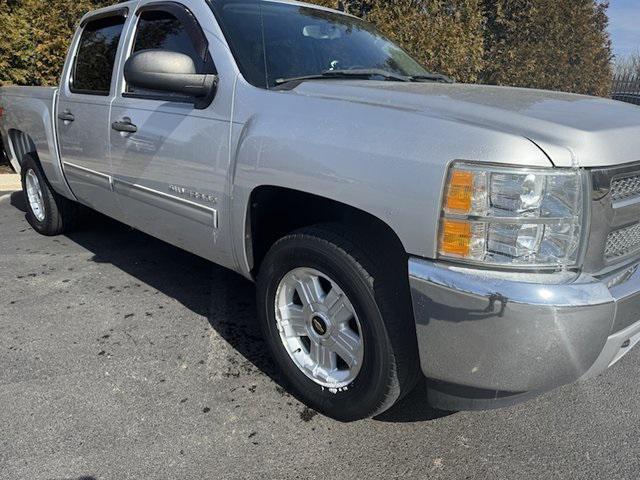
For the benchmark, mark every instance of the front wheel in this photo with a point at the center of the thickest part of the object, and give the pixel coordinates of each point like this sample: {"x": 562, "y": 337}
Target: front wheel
{"x": 338, "y": 325}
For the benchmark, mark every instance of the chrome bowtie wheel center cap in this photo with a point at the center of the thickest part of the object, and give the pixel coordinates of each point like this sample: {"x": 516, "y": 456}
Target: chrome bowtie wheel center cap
{"x": 319, "y": 325}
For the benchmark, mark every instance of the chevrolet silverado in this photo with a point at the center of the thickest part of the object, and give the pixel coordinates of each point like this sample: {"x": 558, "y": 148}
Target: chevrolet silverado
{"x": 397, "y": 224}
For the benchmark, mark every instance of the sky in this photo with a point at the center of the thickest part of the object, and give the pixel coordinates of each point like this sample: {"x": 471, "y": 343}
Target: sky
{"x": 624, "y": 26}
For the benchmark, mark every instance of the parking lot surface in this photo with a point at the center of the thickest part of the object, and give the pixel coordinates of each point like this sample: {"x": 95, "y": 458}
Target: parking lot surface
{"x": 123, "y": 357}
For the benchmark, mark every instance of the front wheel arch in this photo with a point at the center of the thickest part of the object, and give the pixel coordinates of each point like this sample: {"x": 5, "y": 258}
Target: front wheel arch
{"x": 273, "y": 212}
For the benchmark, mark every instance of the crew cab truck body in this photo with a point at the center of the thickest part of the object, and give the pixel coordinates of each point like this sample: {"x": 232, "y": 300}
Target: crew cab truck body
{"x": 394, "y": 222}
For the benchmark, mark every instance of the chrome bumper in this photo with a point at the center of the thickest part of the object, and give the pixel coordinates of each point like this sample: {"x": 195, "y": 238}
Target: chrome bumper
{"x": 487, "y": 340}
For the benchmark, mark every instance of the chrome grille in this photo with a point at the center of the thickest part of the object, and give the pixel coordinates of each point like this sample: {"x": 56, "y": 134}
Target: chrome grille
{"x": 614, "y": 225}
{"x": 622, "y": 242}
{"x": 624, "y": 188}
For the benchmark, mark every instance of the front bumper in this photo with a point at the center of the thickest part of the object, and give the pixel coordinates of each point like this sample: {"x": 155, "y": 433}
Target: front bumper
{"x": 488, "y": 340}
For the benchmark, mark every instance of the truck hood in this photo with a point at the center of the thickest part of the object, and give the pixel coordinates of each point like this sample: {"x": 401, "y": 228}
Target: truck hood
{"x": 573, "y": 130}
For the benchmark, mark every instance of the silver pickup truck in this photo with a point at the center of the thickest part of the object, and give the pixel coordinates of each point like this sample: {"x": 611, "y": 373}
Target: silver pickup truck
{"x": 396, "y": 224}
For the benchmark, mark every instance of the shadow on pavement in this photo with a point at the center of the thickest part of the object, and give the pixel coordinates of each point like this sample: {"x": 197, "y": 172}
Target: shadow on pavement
{"x": 225, "y": 298}
{"x": 85, "y": 477}
{"x": 18, "y": 201}
{"x": 413, "y": 408}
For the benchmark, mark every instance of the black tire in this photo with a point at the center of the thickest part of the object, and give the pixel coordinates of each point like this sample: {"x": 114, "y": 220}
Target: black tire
{"x": 60, "y": 214}
{"x": 374, "y": 279}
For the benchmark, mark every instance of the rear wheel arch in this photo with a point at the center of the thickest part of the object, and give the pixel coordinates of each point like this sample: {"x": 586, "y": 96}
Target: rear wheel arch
{"x": 21, "y": 144}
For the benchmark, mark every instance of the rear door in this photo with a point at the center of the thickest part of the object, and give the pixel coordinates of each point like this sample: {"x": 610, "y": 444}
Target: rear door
{"x": 170, "y": 159}
{"x": 85, "y": 97}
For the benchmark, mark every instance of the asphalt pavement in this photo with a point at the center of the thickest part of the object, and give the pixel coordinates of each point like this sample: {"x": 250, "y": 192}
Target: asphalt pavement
{"x": 122, "y": 357}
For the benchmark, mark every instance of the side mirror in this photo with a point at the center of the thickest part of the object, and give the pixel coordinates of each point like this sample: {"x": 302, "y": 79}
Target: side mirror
{"x": 169, "y": 72}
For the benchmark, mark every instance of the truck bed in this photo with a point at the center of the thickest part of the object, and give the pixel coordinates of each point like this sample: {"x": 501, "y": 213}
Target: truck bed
{"x": 28, "y": 126}
{"x": 31, "y": 92}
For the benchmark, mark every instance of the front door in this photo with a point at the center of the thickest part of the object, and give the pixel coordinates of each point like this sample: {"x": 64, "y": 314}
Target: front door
{"x": 83, "y": 112}
{"x": 169, "y": 158}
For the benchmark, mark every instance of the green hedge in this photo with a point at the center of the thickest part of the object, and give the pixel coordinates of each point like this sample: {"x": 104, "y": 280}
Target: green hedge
{"x": 553, "y": 44}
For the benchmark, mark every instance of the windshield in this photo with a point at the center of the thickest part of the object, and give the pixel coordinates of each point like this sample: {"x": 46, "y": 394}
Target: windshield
{"x": 275, "y": 41}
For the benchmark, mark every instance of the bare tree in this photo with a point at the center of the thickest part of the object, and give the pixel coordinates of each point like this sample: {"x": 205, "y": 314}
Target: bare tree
{"x": 628, "y": 65}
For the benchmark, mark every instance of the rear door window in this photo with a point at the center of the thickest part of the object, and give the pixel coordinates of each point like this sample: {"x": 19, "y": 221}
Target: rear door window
{"x": 96, "y": 56}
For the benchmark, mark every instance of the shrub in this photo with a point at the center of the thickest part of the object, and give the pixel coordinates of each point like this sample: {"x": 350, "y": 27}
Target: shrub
{"x": 35, "y": 36}
{"x": 553, "y": 44}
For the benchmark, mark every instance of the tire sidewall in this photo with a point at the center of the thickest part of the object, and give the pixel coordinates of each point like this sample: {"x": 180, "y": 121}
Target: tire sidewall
{"x": 364, "y": 395}
{"x": 40, "y": 226}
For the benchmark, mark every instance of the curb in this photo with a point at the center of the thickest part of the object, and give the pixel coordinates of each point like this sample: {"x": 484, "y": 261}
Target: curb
{"x": 9, "y": 182}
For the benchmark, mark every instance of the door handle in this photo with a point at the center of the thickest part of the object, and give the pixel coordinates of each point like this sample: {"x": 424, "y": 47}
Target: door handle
{"x": 66, "y": 116}
{"x": 124, "y": 126}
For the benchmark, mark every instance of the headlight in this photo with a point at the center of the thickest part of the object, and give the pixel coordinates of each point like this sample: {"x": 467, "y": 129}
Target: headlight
{"x": 512, "y": 217}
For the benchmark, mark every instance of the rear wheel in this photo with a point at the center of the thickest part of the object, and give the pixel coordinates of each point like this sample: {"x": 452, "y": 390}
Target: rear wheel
{"x": 338, "y": 324}
{"x": 47, "y": 212}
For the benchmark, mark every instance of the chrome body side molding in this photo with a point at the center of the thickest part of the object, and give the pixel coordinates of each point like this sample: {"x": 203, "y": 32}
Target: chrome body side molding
{"x": 88, "y": 175}
{"x": 180, "y": 206}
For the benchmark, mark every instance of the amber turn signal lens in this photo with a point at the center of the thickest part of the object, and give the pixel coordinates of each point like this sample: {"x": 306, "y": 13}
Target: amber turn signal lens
{"x": 459, "y": 192}
{"x": 455, "y": 238}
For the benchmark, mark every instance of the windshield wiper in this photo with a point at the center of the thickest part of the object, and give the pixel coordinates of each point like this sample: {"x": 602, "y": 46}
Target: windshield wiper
{"x": 431, "y": 77}
{"x": 369, "y": 73}
{"x": 341, "y": 74}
